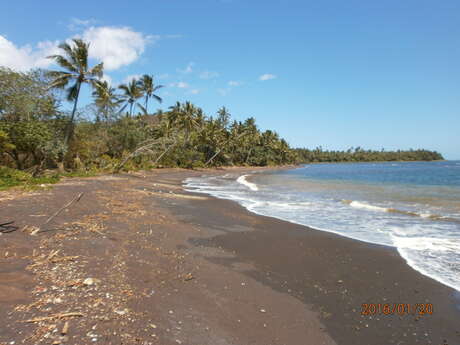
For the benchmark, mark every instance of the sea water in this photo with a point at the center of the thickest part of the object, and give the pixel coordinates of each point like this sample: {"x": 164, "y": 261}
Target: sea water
{"x": 412, "y": 206}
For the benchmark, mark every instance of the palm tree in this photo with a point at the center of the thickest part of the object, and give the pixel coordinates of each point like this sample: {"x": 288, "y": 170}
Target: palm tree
{"x": 148, "y": 88}
{"x": 76, "y": 72}
{"x": 186, "y": 117}
{"x": 223, "y": 117}
{"x": 105, "y": 98}
{"x": 131, "y": 94}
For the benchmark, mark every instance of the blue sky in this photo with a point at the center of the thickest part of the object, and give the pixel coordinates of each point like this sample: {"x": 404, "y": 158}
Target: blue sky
{"x": 332, "y": 73}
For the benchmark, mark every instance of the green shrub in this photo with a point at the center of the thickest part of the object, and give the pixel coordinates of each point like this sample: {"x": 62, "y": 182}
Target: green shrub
{"x": 12, "y": 177}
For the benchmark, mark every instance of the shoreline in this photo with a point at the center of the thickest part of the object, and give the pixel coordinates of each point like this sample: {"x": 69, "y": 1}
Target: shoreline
{"x": 422, "y": 285}
{"x": 201, "y": 270}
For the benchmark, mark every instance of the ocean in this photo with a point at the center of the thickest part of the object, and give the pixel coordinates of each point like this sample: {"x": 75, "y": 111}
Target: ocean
{"x": 412, "y": 206}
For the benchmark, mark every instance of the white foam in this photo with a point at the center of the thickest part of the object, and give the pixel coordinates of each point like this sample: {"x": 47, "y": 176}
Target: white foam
{"x": 426, "y": 215}
{"x": 363, "y": 205}
{"x": 434, "y": 257}
{"x": 250, "y": 185}
{"x": 430, "y": 247}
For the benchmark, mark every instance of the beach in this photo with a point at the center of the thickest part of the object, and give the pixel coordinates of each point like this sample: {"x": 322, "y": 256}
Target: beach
{"x": 139, "y": 260}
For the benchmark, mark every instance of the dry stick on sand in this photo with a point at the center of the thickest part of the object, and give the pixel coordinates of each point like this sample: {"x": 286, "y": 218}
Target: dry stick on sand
{"x": 76, "y": 199}
{"x": 54, "y": 316}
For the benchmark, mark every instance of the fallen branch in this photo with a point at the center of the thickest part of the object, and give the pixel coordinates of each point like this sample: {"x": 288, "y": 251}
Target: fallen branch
{"x": 54, "y": 316}
{"x": 7, "y": 227}
{"x": 76, "y": 199}
{"x": 7, "y": 223}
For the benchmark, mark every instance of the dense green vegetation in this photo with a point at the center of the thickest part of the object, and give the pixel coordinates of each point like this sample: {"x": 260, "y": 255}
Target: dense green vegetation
{"x": 360, "y": 155}
{"x": 39, "y": 139}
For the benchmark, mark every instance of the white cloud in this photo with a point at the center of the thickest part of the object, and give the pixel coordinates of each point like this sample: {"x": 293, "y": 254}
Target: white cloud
{"x": 188, "y": 69}
{"x": 116, "y": 46}
{"x": 194, "y": 92}
{"x": 235, "y": 83}
{"x": 180, "y": 85}
{"x": 267, "y": 76}
{"x": 77, "y": 24}
{"x": 26, "y": 57}
{"x": 208, "y": 75}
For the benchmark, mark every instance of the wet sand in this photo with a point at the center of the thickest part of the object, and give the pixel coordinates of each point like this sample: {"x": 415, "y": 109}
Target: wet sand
{"x": 172, "y": 267}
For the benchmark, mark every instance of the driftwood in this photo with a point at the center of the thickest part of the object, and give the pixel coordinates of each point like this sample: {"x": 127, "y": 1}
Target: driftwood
{"x": 54, "y": 316}
{"x": 7, "y": 227}
{"x": 76, "y": 199}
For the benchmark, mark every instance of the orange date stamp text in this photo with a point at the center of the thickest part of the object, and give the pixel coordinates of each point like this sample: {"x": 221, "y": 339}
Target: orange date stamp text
{"x": 396, "y": 309}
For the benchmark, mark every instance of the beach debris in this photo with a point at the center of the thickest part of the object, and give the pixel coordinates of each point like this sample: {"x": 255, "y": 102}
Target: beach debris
{"x": 88, "y": 281}
{"x": 65, "y": 329}
{"x": 263, "y": 311}
{"x": 32, "y": 230}
{"x": 7, "y": 227}
{"x": 75, "y": 199}
{"x": 54, "y": 316}
{"x": 340, "y": 281}
{"x": 189, "y": 276}
{"x": 121, "y": 311}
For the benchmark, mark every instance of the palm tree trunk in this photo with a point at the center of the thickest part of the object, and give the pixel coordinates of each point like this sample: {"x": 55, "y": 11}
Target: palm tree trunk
{"x": 69, "y": 130}
{"x": 214, "y": 156}
{"x": 131, "y": 110}
{"x": 147, "y": 104}
{"x": 164, "y": 152}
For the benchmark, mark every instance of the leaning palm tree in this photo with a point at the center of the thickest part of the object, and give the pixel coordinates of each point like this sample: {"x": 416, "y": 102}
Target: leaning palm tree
{"x": 132, "y": 92}
{"x": 76, "y": 72}
{"x": 106, "y": 99}
{"x": 148, "y": 88}
{"x": 185, "y": 116}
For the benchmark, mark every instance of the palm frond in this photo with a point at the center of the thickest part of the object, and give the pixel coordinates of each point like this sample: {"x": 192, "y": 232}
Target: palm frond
{"x": 97, "y": 71}
{"x": 60, "y": 80}
{"x": 144, "y": 110}
{"x": 72, "y": 92}
{"x": 158, "y": 98}
{"x": 64, "y": 63}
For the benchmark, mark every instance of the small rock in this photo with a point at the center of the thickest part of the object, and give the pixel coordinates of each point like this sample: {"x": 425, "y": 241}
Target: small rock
{"x": 121, "y": 312}
{"x": 263, "y": 311}
{"x": 88, "y": 281}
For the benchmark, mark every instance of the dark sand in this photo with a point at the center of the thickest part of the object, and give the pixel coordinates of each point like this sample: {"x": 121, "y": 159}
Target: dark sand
{"x": 172, "y": 267}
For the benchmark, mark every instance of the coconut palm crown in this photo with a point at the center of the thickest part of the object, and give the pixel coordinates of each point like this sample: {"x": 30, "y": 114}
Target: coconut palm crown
{"x": 149, "y": 88}
{"x": 105, "y": 98}
{"x": 132, "y": 92}
{"x": 75, "y": 72}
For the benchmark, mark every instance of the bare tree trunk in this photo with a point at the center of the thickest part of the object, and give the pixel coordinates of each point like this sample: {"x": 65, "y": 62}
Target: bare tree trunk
{"x": 164, "y": 152}
{"x": 214, "y": 156}
{"x": 60, "y": 166}
{"x": 247, "y": 157}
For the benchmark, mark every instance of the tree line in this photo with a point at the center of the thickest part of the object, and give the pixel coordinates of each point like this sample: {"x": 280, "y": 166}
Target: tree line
{"x": 359, "y": 154}
{"x": 118, "y": 131}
